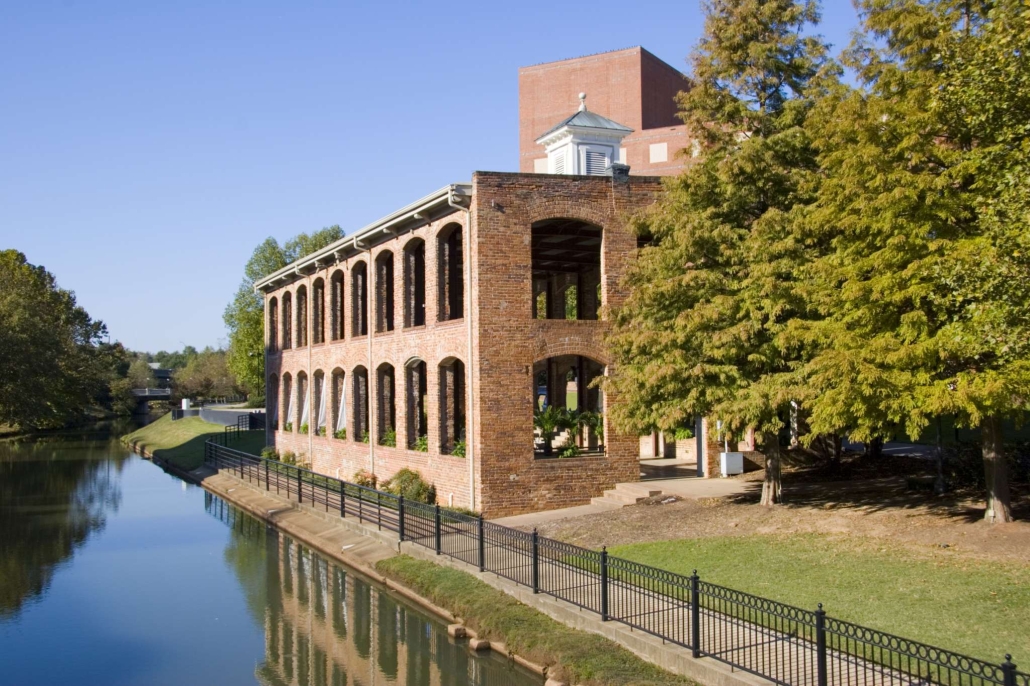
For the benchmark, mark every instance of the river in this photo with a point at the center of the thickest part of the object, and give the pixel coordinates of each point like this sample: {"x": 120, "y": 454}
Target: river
{"x": 114, "y": 572}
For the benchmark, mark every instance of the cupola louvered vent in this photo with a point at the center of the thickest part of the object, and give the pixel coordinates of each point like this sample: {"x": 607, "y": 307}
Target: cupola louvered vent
{"x": 559, "y": 163}
{"x": 597, "y": 162}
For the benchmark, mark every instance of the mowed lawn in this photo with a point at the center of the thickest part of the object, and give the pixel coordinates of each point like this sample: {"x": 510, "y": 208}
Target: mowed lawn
{"x": 182, "y": 442}
{"x": 977, "y": 607}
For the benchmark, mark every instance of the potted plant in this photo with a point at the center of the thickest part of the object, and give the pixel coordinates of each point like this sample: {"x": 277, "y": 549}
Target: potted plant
{"x": 421, "y": 444}
{"x": 549, "y": 421}
{"x": 340, "y": 433}
{"x": 303, "y": 428}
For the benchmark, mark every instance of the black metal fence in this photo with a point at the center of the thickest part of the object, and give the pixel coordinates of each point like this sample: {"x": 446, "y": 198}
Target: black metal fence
{"x": 785, "y": 644}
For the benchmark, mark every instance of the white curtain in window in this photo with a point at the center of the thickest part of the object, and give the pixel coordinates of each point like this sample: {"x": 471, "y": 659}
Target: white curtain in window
{"x": 341, "y": 414}
{"x": 304, "y": 409}
{"x": 320, "y": 389}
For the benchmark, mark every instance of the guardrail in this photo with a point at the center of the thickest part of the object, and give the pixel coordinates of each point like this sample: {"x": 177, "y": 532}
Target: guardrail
{"x": 782, "y": 643}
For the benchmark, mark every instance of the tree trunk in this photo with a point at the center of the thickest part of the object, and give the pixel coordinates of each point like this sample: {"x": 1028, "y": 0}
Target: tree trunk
{"x": 874, "y": 448}
{"x": 836, "y": 450}
{"x": 772, "y": 487}
{"x": 996, "y": 471}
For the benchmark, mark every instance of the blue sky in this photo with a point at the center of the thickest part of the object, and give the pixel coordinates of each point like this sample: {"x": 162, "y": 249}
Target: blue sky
{"x": 147, "y": 147}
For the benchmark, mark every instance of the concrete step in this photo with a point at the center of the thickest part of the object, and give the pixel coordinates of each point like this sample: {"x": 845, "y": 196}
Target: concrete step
{"x": 625, "y": 494}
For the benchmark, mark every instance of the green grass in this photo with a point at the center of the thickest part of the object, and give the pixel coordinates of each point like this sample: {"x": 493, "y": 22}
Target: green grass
{"x": 979, "y": 608}
{"x": 574, "y": 656}
{"x": 182, "y": 442}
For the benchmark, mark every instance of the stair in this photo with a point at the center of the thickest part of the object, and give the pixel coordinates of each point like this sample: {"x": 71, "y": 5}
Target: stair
{"x": 625, "y": 494}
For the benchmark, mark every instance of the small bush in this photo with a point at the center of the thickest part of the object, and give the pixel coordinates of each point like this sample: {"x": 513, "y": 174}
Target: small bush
{"x": 270, "y": 453}
{"x": 683, "y": 433}
{"x": 341, "y": 434}
{"x": 459, "y": 449}
{"x": 568, "y": 449}
{"x": 421, "y": 444}
{"x": 320, "y": 431}
{"x": 289, "y": 457}
{"x": 411, "y": 485}
{"x": 364, "y": 478}
{"x": 364, "y": 437}
{"x": 389, "y": 439}
{"x": 288, "y": 426}
{"x": 303, "y": 428}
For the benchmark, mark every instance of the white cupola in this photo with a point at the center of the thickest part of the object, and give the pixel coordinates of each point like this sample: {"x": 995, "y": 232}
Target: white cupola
{"x": 585, "y": 143}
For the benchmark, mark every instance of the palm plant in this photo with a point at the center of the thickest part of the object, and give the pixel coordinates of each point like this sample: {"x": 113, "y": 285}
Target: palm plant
{"x": 550, "y": 420}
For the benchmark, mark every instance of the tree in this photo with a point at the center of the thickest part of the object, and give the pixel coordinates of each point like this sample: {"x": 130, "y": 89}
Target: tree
{"x": 244, "y": 316}
{"x": 52, "y": 366}
{"x": 701, "y": 332}
{"x": 206, "y": 375}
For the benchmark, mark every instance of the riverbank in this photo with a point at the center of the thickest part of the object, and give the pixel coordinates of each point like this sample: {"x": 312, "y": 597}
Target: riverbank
{"x": 181, "y": 443}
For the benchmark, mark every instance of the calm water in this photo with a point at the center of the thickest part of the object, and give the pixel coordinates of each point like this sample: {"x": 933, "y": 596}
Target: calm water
{"x": 113, "y": 572}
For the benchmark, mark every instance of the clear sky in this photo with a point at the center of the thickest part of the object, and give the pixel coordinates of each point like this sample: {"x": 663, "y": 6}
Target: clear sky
{"x": 147, "y": 147}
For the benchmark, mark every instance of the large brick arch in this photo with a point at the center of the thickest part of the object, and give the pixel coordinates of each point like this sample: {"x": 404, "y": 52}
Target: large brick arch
{"x": 570, "y": 346}
{"x": 562, "y": 209}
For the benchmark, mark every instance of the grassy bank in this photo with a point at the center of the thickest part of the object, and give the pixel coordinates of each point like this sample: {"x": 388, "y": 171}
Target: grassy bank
{"x": 182, "y": 442}
{"x": 975, "y": 607}
{"x": 571, "y": 655}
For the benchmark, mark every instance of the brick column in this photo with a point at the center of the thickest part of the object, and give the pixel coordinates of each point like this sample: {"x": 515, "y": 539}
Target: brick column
{"x": 713, "y": 446}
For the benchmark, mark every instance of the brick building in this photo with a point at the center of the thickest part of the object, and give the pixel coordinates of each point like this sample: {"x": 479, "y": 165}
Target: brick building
{"x": 426, "y": 339}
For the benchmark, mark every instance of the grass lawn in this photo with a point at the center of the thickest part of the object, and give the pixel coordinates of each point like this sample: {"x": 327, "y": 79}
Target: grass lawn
{"x": 979, "y": 608}
{"x": 574, "y": 656}
{"x": 182, "y": 442}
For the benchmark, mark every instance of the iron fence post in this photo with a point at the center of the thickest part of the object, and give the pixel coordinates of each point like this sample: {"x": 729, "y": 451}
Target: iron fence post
{"x": 343, "y": 500}
{"x": 695, "y": 615}
{"x": 1008, "y": 671}
{"x": 267, "y": 487}
{"x": 436, "y": 521}
{"x": 400, "y": 518}
{"x": 300, "y": 487}
{"x": 379, "y": 510}
{"x": 482, "y": 546}
{"x": 820, "y": 644}
{"x": 536, "y": 561}
{"x": 604, "y": 584}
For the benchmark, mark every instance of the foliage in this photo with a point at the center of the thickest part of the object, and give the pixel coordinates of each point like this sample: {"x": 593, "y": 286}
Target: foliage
{"x": 320, "y": 431}
{"x": 289, "y": 457}
{"x": 205, "y": 375}
{"x": 389, "y": 438}
{"x": 592, "y": 420}
{"x": 568, "y": 448}
{"x": 364, "y": 437}
{"x": 421, "y": 444}
{"x": 364, "y": 478}
{"x": 270, "y": 453}
{"x": 459, "y": 449}
{"x": 244, "y": 316}
{"x": 304, "y": 428}
{"x": 682, "y": 433}
{"x": 551, "y": 420}
{"x": 340, "y": 433}
{"x": 288, "y": 426}
{"x": 410, "y": 484}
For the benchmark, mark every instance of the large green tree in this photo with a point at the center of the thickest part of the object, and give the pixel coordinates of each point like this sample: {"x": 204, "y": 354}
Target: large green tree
{"x": 244, "y": 316}
{"x": 701, "y": 332}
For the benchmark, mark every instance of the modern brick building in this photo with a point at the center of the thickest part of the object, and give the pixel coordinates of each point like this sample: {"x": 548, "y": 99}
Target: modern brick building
{"x": 426, "y": 339}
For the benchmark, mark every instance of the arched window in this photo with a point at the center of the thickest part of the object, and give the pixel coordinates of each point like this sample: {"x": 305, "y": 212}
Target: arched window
{"x": 303, "y": 404}
{"x": 415, "y": 388}
{"x": 287, "y": 402}
{"x": 386, "y": 406}
{"x": 336, "y": 305}
{"x": 287, "y": 320}
{"x": 566, "y": 269}
{"x": 360, "y": 395}
{"x": 415, "y": 283}
{"x": 384, "y": 292}
{"x": 273, "y": 324}
{"x": 568, "y": 410}
{"x": 318, "y": 311}
{"x": 359, "y": 299}
{"x": 450, "y": 276}
{"x": 452, "y": 407}
{"x": 319, "y": 414}
{"x": 339, "y": 404}
{"x": 302, "y": 316}
{"x": 272, "y": 394}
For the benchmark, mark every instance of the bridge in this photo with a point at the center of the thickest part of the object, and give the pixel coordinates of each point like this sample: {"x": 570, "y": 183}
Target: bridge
{"x": 144, "y": 394}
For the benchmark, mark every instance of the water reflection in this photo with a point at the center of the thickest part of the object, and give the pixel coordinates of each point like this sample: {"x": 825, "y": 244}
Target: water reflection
{"x": 50, "y": 505}
{"x": 326, "y": 627}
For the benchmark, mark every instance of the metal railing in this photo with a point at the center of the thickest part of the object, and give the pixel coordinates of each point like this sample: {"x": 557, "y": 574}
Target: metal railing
{"x": 782, "y": 643}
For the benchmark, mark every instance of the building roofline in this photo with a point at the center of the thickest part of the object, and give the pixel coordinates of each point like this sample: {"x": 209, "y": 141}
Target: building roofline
{"x": 603, "y": 53}
{"x": 437, "y": 204}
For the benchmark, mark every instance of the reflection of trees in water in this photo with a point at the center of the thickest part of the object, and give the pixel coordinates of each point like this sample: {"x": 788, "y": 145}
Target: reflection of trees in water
{"x": 53, "y": 496}
{"x": 325, "y": 627}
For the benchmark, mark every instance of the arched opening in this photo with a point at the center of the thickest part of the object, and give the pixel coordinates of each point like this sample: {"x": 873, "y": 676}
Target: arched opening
{"x": 303, "y": 403}
{"x": 336, "y": 305}
{"x": 386, "y": 406}
{"x": 302, "y": 316}
{"x": 320, "y": 418}
{"x": 452, "y": 407}
{"x": 272, "y": 393}
{"x": 287, "y": 320}
{"x": 273, "y": 324}
{"x": 415, "y": 283}
{"x": 318, "y": 311}
{"x": 287, "y": 402}
{"x": 360, "y": 394}
{"x": 450, "y": 275}
{"x": 384, "y": 292}
{"x": 415, "y": 389}
{"x": 568, "y": 410}
{"x": 566, "y": 257}
{"x": 359, "y": 299}
{"x": 339, "y": 404}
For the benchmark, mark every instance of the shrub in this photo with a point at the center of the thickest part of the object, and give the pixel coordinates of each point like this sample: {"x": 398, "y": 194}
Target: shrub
{"x": 389, "y": 438}
{"x": 303, "y": 428}
{"x": 421, "y": 444}
{"x": 364, "y": 437}
{"x": 270, "y": 453}
{"x": 288, "y": 426}
{"x": 320, "y": 431}
{"x": 683, "y": 433}
{"x": 411, "y": 485}
{"x": 459, "y": 449}
{"x": 341, "y": 434}
{"x": 289, "y": 457}
{"x": 568, "y": 449}
{"x": 364, "y": 478}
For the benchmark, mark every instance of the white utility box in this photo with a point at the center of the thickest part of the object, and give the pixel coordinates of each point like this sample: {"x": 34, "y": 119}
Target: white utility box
{"x": 732, "y": 463}
{"x": 185, "y": 403}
